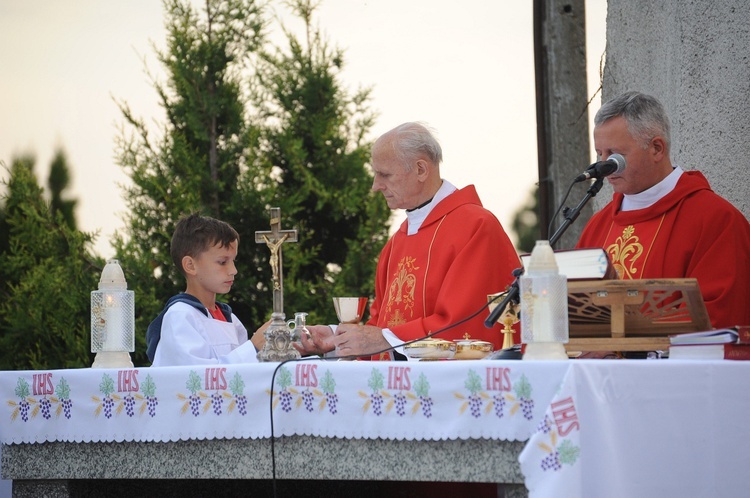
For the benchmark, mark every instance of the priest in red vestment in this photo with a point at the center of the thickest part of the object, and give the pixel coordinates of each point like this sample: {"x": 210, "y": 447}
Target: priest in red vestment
{"x": 664, "y": 222}
{"x": 436, "y": 271}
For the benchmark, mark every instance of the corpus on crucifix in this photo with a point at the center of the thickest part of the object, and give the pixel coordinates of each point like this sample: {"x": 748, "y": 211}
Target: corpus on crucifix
{"x": 278, "y": 345}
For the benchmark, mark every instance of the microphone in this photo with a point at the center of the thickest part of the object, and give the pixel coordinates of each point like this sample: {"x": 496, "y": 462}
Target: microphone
{"x": 614, "y": 164}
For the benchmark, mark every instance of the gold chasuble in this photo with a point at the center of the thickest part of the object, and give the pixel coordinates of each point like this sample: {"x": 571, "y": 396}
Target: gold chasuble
{"x": 689, "y": 233}
{"x": 442, "y": 275}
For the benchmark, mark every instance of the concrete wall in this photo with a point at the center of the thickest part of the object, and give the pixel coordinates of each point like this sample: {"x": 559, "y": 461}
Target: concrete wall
{"x": 694, "y": 56}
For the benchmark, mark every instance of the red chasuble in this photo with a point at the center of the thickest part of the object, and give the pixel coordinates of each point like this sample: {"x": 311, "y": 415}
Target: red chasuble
{"x": 690, "y": 233}
{"x": 443, "y": 273}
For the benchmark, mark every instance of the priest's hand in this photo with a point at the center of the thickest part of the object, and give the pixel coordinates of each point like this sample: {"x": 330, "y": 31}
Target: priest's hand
{"x": 353, "y": 339}
{"x": 319, "y": 342}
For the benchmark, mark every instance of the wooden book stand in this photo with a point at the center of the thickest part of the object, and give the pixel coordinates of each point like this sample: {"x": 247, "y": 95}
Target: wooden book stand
{"x": 633, "y": 315}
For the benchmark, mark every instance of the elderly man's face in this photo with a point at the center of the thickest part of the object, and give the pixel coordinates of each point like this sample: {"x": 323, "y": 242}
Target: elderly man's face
{"x": 641, "y": 172}
{"x": 402, "y": 189}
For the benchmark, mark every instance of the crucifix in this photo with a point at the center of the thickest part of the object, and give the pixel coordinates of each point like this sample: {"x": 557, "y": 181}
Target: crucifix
{"x": 278, "y": 345}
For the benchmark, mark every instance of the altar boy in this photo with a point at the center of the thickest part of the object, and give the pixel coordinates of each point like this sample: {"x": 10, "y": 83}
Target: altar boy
{"x": 194, "y": 328}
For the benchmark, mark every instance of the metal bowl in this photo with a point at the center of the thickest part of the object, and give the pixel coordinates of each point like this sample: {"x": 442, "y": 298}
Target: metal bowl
{"x": 430, "y": 349}
{"x": 472, "y": 349}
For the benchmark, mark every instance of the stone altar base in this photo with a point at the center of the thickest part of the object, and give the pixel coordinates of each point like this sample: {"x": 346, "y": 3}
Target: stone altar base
{"x": 305, "y": 466}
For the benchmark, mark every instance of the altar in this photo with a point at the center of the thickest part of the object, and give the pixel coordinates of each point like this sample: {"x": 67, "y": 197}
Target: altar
{"x": 556, "y": 428}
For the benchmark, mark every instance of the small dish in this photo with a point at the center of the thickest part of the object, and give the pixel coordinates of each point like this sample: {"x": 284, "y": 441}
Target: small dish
{"x": 430, "y": 349}
{"x": 472, "y": 349}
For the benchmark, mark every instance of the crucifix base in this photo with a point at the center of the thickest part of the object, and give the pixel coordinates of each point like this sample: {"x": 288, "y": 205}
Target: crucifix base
{"x": 278, "y": 346}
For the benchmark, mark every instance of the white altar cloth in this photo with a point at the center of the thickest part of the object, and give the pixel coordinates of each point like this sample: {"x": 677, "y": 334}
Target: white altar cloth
{"x": 348, "y": 399}
{"x": 645, "y": 428}
{"x": 615, "y": 428}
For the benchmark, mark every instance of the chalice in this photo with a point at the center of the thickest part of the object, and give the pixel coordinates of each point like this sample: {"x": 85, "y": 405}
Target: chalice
{"x": 350, "y": 309}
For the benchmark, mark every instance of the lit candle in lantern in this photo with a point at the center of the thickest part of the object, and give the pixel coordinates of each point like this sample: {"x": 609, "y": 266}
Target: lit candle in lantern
{"x": 112, "y": 323}
{"x": 542, "y": 323}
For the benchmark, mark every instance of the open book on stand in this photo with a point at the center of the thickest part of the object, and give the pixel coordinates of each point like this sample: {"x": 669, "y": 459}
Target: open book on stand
{"x": 581, "y": 264}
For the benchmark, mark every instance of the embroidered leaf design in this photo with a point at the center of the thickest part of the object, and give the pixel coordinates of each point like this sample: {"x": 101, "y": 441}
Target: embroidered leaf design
{"x": 421, "y": 386}
{"x": 193, "y": 383}
{"x": 107, "y": 385}
{"x": 148, "y": 387}
{"x": 522, "y": 388}
{"x": 237, "y": 385}
{"x": 568, "y": 452}
{"x": 63, "y": 389}
{"x": 376, "y": 380}
{"x": 473, "y": 383}
{"x": 22, "y": 388}
{"x": 328, "y": 384}
{"x": 285, "y": 378}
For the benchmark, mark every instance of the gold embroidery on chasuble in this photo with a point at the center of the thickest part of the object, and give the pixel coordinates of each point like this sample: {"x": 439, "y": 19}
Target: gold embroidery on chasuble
{"x": 399, "y": 307}
{"x": 630, "y": 250}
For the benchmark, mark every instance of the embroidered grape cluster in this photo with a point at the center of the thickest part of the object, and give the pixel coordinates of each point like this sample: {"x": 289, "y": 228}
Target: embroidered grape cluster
{"x": 151, "y": 403}
{"x": 237, "y": 386}
{"x": 527, "y": 407}
{"x": 499, "y": 400}
{"x": 422, "y": 390}
{"x": 545, "y": 426}
{"x": 108, "y": 404}
{"x": 217, "y": 400}
{"x": 376, "y": 383}
{"x": 285, "y": 396}
{"x": 67, "y": 405}
{"x": 148, "y": 387}
{"x": 473, "y": 384}
{"x": 23, "y": 407}
{"x": 552, "y": 461}
{"x": 107, "y": 387}
{"x": 195, "y": 404}
{"x": 307, "y": 397}
{"x": 63, "y": 393}
{"x": 523, "y": 391}
{"x": 22, "y": 391}
{"x": 332, "y": 400}
{"x": 241, "y": 404}
{"x": 45, "y": 406}
{"x": 286, "y": 400}
{"x": 377, "y": 403}
{"x": 328, "y": 384}
{"x": 475, "y": 405}
{"x": 129, "y": 402}
{"x": 426, "y": 403}
{"x": 400, "y": 401}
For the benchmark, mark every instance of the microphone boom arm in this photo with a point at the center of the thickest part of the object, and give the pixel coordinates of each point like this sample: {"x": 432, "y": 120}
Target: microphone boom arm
{"x": 512, "y": 295}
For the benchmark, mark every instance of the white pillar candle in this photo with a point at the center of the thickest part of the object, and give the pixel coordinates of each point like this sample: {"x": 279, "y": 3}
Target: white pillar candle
{"x": 112, "y": 323}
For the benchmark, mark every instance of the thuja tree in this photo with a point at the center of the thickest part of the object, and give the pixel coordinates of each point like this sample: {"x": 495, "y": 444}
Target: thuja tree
{"x": 200, "y": 160}
{"x": 298, "y": 144}
{"x": 314, "y": 143}
{"x": 46, "y": 276}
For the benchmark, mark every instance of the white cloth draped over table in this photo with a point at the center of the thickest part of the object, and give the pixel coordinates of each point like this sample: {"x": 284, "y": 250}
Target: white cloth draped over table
{"x": 360, "y": 399}
{"x": 646, "y": 428}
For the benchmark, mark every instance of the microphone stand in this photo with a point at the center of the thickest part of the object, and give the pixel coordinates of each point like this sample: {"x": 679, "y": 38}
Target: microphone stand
{"x": 512, "y": 295}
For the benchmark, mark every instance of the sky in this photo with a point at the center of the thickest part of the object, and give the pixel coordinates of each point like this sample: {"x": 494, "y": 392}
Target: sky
{"x": 464, "y": 68}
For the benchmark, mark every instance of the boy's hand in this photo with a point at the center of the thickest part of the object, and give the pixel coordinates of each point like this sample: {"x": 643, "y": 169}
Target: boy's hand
{"x": 259, "y": 337}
